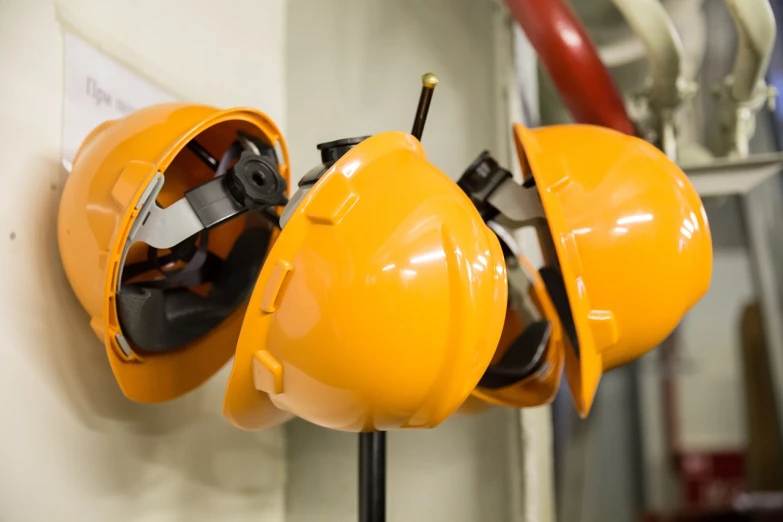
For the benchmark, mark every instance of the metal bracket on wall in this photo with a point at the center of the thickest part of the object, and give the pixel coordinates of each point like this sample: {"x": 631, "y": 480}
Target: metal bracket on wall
{"x": 668, "y": 89}
{"x": 744, "y": 92}
{"x": 728, "y": 177}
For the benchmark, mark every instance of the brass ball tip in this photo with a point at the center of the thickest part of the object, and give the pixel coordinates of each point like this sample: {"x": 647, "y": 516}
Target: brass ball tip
{"x": 429, "y": 80}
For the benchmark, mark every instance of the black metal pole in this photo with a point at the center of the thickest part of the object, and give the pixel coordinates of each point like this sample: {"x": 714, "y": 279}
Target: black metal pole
{"x": 372, "y": 477}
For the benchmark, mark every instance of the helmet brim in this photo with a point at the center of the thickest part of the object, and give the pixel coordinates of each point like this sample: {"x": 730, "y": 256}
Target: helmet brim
{"x": 583, "y": 367}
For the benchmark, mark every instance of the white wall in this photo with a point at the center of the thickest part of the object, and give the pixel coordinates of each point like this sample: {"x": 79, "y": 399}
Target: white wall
{"x": 71, "y": 446}
{"x": 354, "y": 68}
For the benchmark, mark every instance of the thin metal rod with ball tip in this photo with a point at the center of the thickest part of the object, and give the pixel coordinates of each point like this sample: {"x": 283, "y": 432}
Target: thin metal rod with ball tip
{"x": 428, "y": 83}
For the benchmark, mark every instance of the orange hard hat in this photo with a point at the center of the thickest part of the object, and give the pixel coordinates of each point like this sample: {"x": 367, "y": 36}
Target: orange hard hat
{"x": 624, "y": 236}
{"x": 156, "y": 249}
{"x": 627, "y": 240}
{"x": 381, "y": 302}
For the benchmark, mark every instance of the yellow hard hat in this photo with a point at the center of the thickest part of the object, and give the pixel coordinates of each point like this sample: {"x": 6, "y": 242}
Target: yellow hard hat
{"x": 380, "y": 304}
{"x": 157, "y": 250}
{"x": 628, "y": 244}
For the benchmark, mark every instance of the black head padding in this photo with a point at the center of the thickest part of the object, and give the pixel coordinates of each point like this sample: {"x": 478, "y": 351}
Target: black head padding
{"x": 522, "y": 359}
{"x": 555, "y": 286}
{"x": 159, "y": 319}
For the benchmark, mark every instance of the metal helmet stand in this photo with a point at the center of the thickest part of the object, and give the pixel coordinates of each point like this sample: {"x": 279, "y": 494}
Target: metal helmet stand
{"x": 372, "y": 476}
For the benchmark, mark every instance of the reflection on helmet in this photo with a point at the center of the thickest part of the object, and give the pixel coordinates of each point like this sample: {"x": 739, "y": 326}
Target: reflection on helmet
{"x": 381, "y": 303}
{"x": 163, "y": 270}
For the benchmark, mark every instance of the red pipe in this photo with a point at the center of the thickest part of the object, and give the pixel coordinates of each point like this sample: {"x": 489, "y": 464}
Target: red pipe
{"x": 573, "y": 63}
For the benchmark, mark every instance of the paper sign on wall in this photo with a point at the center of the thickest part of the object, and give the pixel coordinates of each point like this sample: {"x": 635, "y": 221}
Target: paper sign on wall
{"x": 98, "y": 88}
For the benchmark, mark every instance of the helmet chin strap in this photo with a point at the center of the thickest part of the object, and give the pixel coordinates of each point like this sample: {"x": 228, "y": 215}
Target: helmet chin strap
{"x": 201, "y": 264}
{"x": 247, "y": 179}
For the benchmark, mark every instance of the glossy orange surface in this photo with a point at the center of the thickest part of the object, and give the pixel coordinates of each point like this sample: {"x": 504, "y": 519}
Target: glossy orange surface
{"x": 631, "y": 236}
{"x": 541, "y": 387}
{"x": 111, "y": 170}
{"x": 381, "y": 303}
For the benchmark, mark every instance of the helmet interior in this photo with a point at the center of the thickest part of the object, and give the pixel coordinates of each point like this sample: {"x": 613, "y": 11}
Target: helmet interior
{"x": 168, "y": 298}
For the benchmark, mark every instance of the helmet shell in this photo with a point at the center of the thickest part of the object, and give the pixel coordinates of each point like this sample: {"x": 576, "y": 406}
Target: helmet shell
{"x": 381, "y": 303}
{"x": 631, "y": 237}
